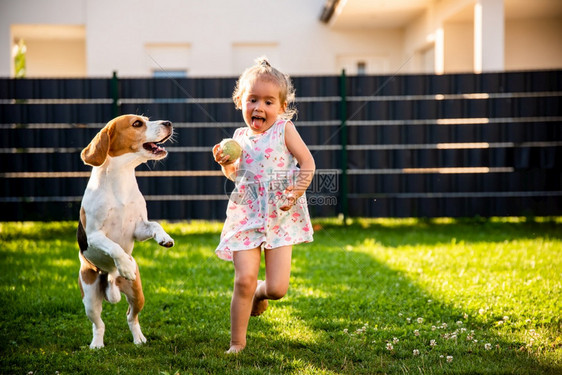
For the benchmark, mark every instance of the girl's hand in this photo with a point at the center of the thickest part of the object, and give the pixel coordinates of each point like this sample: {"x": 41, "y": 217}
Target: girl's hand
{"x": 289, "y": 199}
{"x": 219, "y": 157}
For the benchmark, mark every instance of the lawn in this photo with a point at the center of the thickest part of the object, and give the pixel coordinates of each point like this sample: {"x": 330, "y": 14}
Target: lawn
{"x": 396, "y": 296}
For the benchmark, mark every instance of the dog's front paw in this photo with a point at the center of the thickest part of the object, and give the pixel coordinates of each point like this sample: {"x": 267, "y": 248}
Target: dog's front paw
{"x": 165, "y": 241}
{"x": 127, "y": 267}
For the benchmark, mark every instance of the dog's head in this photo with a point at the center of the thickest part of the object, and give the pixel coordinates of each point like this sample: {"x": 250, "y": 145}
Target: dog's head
{"x": 128, "y": 134}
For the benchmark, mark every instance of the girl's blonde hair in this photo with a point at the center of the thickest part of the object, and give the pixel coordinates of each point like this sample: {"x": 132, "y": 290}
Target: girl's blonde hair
{"x": 262, "y": 69}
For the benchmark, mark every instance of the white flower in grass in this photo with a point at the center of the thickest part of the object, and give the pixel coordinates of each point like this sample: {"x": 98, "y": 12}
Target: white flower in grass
{"x": 429, "y": 301}
{"x": 488, "y": 346}
{"x": 433, "y": 343}
{"x": 416, "y": 352}
{"x": 395, "y": 340}
{"x": 420, "y": 320}
{"x": 389, "y": 346}
{"x": 416, "y": 332}
{"x": 506, "y": 318}
{"x": 408, "y": 320}
{"x": 481, "y": 311}
{"x": 345, "y": 330}
{"x": 459, "y": 323}
{"x": 362, "y": 329}
{"x": 433, "y": 328}
{"x": 449, "y": 358}
{"x": 444, "y": 325}
{"x": 465, "y": 316}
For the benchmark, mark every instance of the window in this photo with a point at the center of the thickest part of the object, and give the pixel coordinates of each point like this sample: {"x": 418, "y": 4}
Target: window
{"x": 361, "y": 68}
{"x": 179, "y": 73}
{"x": 52, "y": 50}
{"x": 168, "y": 60}
{"x": 362, "y": 64}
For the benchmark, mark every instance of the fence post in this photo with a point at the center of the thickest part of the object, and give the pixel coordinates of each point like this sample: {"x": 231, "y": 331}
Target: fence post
{"x": 343, "y": 129}
{"x": 115, "y": 95}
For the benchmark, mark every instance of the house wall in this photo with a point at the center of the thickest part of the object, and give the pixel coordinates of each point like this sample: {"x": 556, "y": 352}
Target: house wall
{"x": 221, "y": 38}
{"x": 214, "y": 38}
{"x": 459, "y": 49}
{"x": 529, "y": 43}
{"x": 533, "y": 44}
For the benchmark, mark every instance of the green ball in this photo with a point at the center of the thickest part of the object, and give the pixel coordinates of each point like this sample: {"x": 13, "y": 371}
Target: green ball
{"x": 230, "y": 147}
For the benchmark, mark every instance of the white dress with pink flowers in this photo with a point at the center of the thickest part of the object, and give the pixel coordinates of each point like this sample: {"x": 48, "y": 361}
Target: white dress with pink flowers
{"x": 253, "y": 217}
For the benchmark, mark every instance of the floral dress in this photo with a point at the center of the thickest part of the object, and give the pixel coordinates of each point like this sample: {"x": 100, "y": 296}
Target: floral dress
{"x": 253, "y": 216}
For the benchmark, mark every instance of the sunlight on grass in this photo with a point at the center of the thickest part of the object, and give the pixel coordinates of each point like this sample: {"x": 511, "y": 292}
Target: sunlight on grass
{"x": 193, "y": 227}
{"x": 62, "y": 263}
{"x": 307, "y": 291}
{"x": 498, "y": 283}
{"x": 290, "y": 327}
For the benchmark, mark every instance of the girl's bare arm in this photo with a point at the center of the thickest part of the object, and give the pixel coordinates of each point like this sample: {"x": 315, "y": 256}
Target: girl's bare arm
{"x": 300, "y": 151}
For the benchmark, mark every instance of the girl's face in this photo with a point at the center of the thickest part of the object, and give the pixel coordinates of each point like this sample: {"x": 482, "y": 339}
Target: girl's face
{"x": 261, "y": 105}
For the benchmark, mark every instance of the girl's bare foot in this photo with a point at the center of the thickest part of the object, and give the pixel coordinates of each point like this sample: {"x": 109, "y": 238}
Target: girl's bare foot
{"x": 235, "y": 349}
{"x": 259, "y": 305}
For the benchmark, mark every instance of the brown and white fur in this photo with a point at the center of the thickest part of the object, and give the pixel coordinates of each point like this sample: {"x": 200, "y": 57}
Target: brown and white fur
{"x": 113, "y": 215}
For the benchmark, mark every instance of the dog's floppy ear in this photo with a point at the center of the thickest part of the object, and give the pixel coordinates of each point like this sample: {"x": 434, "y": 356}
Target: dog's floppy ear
{"x": 96, "y": 152}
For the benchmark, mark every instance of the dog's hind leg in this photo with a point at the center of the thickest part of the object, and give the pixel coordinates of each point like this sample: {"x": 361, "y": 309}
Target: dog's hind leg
{"x": 135, "y": 298}
{"x": 92, "y": 297}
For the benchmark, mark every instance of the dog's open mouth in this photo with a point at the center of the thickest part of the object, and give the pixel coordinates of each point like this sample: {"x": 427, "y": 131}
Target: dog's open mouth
{"x": 154, "y": 148}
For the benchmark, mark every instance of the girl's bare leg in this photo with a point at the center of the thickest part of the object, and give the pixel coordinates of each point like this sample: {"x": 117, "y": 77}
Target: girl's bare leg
{"x": 246, "y": 266}
{"x": 277, "y": 274}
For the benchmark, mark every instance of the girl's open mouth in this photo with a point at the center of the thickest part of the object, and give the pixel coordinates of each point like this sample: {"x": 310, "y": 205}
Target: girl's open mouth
{"x": 257, "y": 121}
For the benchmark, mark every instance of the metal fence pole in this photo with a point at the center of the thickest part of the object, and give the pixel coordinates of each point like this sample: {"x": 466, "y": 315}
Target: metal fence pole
{"x": 343, "y": 117}
{"x": 114, "y": 95}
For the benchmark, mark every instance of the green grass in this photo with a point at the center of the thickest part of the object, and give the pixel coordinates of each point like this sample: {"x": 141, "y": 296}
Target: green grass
{"x": 363, "y": 298}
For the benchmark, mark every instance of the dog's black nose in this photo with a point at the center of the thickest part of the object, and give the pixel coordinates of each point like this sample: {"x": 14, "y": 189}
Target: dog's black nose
{"x": 167, "y": 123}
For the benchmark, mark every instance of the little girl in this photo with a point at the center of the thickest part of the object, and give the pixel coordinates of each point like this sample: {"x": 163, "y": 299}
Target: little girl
{"x": 268, "y": 207}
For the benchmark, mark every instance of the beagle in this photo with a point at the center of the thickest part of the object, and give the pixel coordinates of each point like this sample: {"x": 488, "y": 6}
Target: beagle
{"x": 113, "y": 215}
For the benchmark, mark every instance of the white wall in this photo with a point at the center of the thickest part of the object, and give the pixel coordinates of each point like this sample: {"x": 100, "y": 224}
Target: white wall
{"x": 533, "y": 44}
{"x": 459, "y": 47}
{"x": 421, "y": 34}
{"x": 216, "y": 37}
{"x": 225, "y": 35}
{"x": 221, "y": 37}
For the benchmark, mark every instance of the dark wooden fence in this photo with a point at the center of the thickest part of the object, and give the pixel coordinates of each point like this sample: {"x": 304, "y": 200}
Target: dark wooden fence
{"x": 385, "y": 146}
